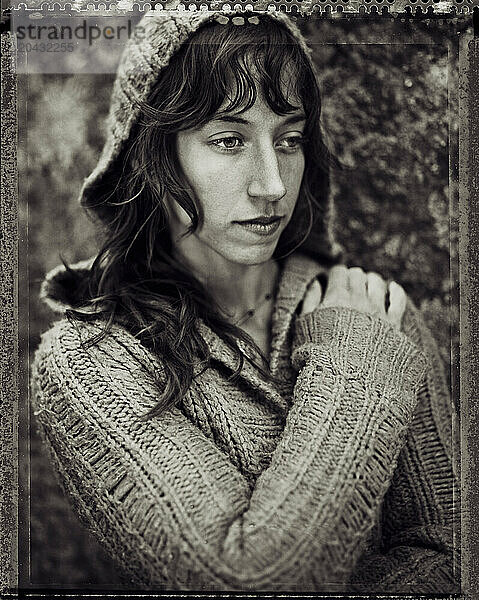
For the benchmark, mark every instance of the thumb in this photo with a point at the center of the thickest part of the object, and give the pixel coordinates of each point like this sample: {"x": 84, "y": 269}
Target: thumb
{"x": 312, "y": 297}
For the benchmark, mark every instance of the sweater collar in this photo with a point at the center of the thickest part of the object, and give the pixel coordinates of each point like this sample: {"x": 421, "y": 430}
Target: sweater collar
{"x": 298, "y": 272}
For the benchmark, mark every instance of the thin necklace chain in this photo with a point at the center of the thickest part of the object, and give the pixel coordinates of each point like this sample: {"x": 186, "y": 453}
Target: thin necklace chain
{"x": 251, "y": 311}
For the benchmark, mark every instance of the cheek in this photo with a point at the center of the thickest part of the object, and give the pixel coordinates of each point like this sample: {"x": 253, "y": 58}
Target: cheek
{"x": 218, "y": 191}
{"x": 292, "y": 175}
{"x": 212, "y": 177}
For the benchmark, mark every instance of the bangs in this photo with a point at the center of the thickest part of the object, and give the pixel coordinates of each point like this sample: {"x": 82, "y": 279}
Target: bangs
{"x": 262, "y": 62}
{"x": 243, "y": 61}
{"x": 254, "y": 73}
{"x": 224, "y": 68}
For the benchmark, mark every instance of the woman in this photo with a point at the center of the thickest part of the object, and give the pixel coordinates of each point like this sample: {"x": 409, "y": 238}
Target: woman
{"x": 229, "y": 407}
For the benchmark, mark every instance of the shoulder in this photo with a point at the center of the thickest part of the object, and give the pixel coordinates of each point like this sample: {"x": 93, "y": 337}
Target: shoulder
{"x": 81, "y": 338}
{"x": 74, "y": 359}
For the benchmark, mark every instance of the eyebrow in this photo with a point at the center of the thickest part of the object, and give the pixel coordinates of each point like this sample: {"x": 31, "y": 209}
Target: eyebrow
{"x": 234, "y": 119}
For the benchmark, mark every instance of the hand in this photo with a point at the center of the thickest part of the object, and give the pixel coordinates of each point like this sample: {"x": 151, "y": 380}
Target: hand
{"x": 353, "y": 288}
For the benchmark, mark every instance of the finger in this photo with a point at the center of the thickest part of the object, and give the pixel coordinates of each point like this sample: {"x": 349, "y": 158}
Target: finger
{"x": 397, "y": 303}
{"x": 337, "y": 277}
{"x": 357, "y": 281}
{"x": 377, "y": 288}
{"x": 312, "y": 297}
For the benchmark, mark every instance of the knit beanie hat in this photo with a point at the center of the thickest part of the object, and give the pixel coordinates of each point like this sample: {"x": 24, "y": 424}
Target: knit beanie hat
{"x": 156, "y": 38}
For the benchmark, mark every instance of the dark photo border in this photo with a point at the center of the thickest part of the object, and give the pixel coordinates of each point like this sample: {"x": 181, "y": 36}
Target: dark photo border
{"x": 464, "y": 168}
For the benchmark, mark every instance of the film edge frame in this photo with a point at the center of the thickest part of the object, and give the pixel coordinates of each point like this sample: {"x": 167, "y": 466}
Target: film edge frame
{"x": 468, "y": 59}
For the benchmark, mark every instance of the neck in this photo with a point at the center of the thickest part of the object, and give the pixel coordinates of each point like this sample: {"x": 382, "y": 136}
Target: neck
{"x": 236, "y": 288}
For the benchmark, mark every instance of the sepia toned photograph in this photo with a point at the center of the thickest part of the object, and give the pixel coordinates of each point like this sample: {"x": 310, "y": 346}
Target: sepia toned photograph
{"x": 239, "y": 301}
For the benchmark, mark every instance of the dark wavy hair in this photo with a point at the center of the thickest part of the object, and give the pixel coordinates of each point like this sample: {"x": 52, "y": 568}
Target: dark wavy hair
{"x": 135, "y": 279}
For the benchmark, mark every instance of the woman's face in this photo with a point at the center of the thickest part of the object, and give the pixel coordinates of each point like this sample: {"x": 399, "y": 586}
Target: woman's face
{"x": 242, "y": 167}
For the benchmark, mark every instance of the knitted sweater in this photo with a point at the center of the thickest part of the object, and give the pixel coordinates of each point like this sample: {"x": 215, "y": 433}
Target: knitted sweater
{"x": 339, "y": 478}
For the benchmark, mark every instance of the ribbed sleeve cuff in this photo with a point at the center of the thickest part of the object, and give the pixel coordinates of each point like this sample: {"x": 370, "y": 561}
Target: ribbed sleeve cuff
{"x": 358, "y": 345}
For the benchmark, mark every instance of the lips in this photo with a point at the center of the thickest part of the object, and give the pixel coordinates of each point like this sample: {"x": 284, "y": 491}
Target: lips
{"x": 261, "y": 226}
{"x": 262, "y": 220}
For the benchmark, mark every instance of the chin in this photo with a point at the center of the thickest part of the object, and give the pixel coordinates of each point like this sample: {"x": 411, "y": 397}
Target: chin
{"x": 253, "y": 255}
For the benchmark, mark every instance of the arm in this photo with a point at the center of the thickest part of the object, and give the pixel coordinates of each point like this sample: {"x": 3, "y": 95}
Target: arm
{"x": 421, "y": 508}
{"x": 172, "y": 508}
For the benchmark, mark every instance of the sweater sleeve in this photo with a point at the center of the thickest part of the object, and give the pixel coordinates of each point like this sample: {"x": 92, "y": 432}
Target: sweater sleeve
{"x": 171, "y": 507}
{"x": 420, "y": 515}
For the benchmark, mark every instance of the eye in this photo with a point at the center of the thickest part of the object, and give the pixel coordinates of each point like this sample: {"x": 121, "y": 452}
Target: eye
{"x": 292, "y": 142}
{"x": 230, "y": 142}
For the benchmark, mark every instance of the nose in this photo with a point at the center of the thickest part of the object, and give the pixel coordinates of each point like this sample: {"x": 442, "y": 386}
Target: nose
{"x": 266, "y": 182}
